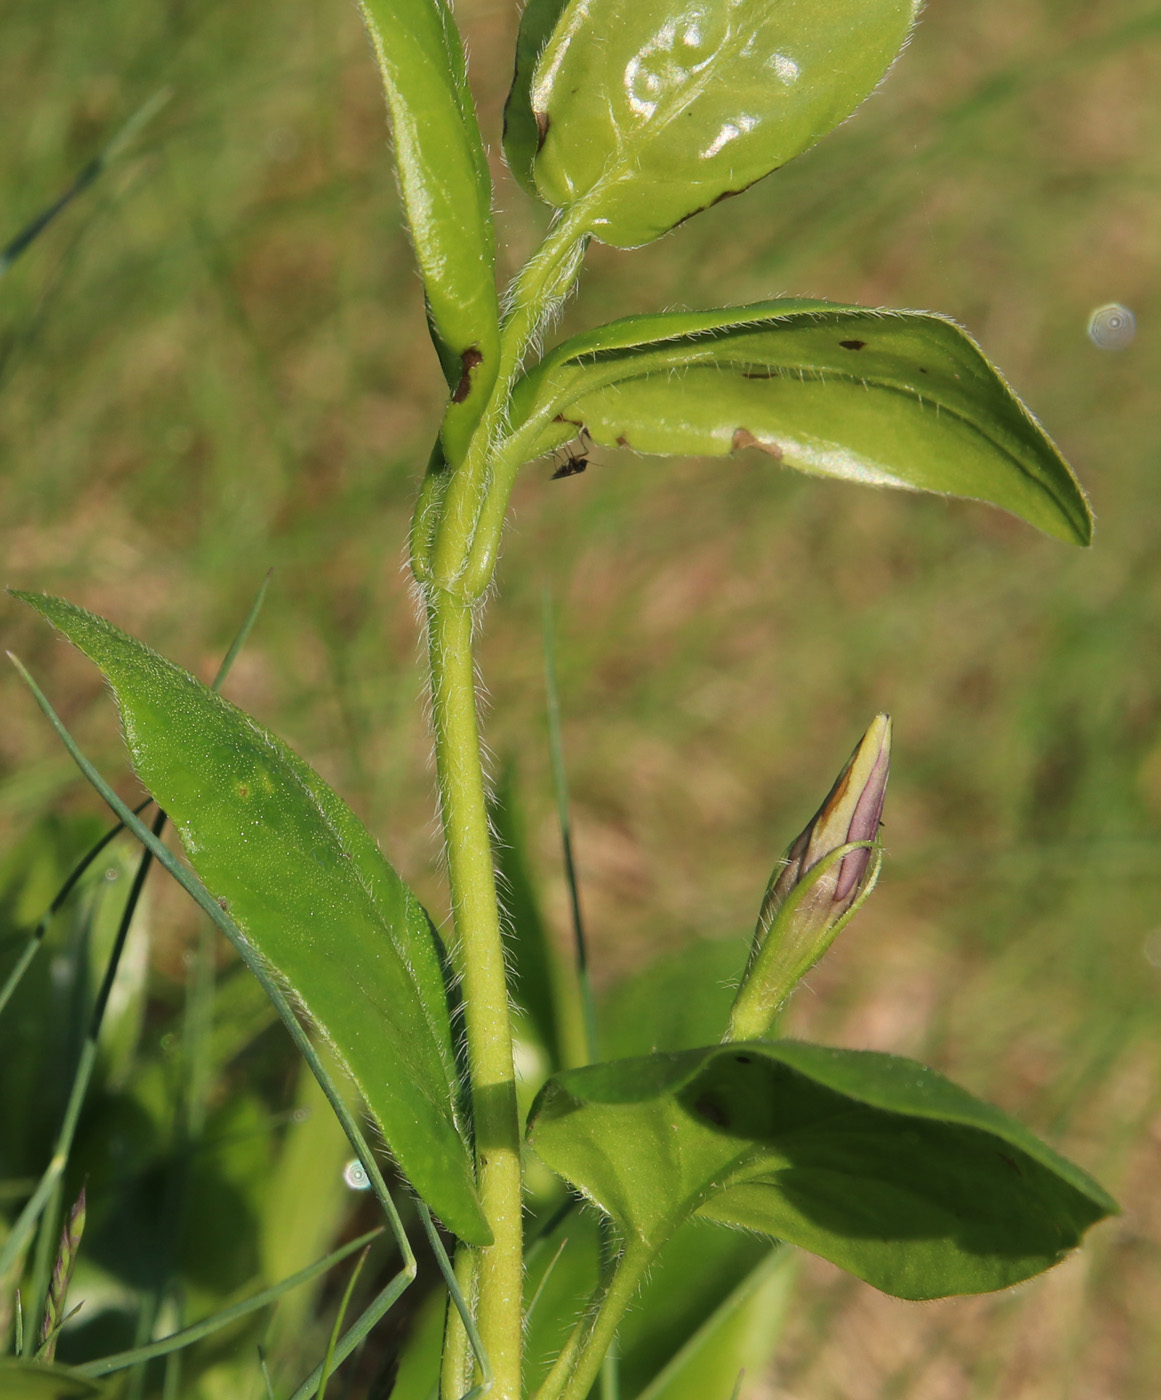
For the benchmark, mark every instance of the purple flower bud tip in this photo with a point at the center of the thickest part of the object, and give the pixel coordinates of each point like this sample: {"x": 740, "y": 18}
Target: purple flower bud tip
{"x": 852, "y": 811}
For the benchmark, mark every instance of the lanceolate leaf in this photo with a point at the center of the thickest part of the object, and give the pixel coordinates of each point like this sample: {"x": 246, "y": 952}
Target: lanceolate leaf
{"x": 447, "y": 191}
{"x": 308, "y": 887}
{"x": 874, "y": 1162}
{"x": 647, "y": 112}
{"x": 896, "y": 398}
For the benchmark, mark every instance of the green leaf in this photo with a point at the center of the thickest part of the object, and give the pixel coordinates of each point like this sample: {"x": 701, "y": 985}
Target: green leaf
{"x": 647, "y": 113}
{"x": 737, "y": 1337}
{"x": 31, "y": 1380}
{"x": 889, "y": 398}
{"x": 871, "y": 1161}
{"x": 522, "y": 132}
{"x": 447, "y": 192}
{"x": 308, "y": 887}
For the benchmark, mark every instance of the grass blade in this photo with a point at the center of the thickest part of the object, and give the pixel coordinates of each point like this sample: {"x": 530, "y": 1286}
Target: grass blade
{"x": 32, "y": 947}
{"x": 81, "y": 182}
{"x": 122, "y": 1360}
{"x": 329, "y": 1360}
{"x": 560, "y": 782}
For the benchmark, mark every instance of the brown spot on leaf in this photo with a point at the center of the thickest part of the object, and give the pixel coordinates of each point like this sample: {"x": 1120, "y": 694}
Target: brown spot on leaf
{"x": 744, "y": 1059}
{"x": 469, "y": 361}
{"x": 543, "y": 122}
{"x": 707, "y": 1107}
{"x": 622, "y": 440}
{"x": 743, "y": 437}
{"x": 852, "y": 344}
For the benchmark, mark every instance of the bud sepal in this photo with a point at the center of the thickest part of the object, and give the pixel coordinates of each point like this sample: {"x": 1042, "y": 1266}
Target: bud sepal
{"x": 817, "y": 888}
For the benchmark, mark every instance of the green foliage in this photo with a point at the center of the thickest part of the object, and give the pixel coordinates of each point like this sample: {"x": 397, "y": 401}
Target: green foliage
{"x": 872, "y": 1161}
{"x": 733, "y": 1333}
{"x": 310, "y": 889}
{"x": 27, "y": 1380}
{"x": 897, "y": 398}
{"x": 646, "y": 114}
{"x": 628, "y": 121}
{"x": 447, "y": 192}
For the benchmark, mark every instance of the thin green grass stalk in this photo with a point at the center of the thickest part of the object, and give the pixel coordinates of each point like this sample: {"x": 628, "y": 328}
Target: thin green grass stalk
{"x": 87, "y": 176}
{"x": 36, "y": 940}
{"x": 265, "y": 1372}
{"x": 548, "y": 1272}
{"x": 560, "y": 784}
{"x": 48, "y": 1189}
{"x": 122, "y": 1360}
{"x": 355, "y": 1336}
{"x": 456, "y": 1293}
{"x": 340, "y": 1317}
{"x": 243, "y": 633}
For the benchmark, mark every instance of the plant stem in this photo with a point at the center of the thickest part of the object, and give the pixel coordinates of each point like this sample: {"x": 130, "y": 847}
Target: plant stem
{"x": 481, "y": 963}
{"x": 579, "y": 1364}
{"x": 456, "y": 555}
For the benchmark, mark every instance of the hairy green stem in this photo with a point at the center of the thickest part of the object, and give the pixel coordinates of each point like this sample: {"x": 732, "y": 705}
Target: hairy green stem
{"x": 480, "y": 956}
{"x": 455, "y": 556}
{"x": 579, "y": 1364}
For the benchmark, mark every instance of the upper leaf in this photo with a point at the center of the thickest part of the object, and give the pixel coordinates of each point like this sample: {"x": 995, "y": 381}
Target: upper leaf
{"x": 307, "y": 885}
{"x": 447, "y": 191}
{"x": 522, "y": 132}
{"x": 896, "y": 398}
{"x": 874, "y": 1162}
{"x": 649, "y": 112}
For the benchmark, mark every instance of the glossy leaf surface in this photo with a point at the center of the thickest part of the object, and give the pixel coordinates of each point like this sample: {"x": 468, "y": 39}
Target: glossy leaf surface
{"x": 447, "y": 191}
{"x": 873, "y": 1162}
{"x": 649, "y": 112}
{"x": 899, "y": 398}
{"x": 521, "y": 129}
{"x": 306, "y": 884}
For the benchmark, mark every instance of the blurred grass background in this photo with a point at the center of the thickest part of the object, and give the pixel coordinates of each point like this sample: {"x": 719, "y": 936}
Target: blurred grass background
{"x": 215, "y": 362}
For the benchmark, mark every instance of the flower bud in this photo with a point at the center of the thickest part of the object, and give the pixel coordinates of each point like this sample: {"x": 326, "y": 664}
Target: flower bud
{"x": 823, "y": 878}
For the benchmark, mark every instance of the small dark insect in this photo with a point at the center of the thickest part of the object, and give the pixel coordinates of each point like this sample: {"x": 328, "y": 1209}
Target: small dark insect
{"x": 574, "y": 462}
{"x": 852, "y": 344}
{"x": 571, "y": 466}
